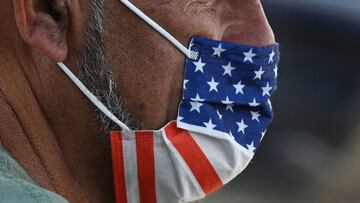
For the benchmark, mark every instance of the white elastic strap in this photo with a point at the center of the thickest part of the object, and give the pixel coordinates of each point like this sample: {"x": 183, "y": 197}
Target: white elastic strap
{"x": 92, "y": 97}
{"x": 190, "y": 54}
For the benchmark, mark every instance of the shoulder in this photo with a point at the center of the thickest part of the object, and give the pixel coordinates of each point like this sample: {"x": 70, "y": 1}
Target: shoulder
{"x": 17, "y": 186}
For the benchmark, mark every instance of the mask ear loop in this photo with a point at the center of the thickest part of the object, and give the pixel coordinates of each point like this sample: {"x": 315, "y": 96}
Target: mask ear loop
{"x": 187, "y": 52}
{"x": 92, "y": 97}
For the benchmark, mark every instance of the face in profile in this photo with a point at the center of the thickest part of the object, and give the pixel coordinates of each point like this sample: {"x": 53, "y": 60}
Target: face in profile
{"x": 131, "y": 68}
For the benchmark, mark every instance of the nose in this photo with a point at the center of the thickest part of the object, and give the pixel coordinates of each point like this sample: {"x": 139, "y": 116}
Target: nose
{"x": 244, "y": 21}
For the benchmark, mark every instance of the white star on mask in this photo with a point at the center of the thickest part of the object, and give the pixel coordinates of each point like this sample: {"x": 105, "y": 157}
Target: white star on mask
{"x": 199, "y": 66}
{"x": 218, "y": 50}
{"x": 213, "y": 85}
{"x": 210, "y": 125}
{"x": 249, "y": 56}
{"x": 239, "y": 88}
{"x": 258, "y": 74}
{"x": 254, "y": 103}
{"x": 242, "y": 126}
{"x": 255, "y": 115}
{"x": 229, "y": 104}
{"x": 228, "y": 69}
{"x": 197, "y": 98}
{"x": 195, "y": 103}
{"x": 251, "y": 147}
{"x": 271, "y": 56}
{"x": 195, "y": 106}
{"x": 266, "y": 90}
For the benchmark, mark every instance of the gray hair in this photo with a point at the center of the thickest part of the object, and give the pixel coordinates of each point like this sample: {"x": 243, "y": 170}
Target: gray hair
{"x": 95, "y": 72}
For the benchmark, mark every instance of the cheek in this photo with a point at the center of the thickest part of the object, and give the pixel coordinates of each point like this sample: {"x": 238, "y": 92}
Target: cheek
{"x": 150, "y": 86}
{"x": 148, "y": 69}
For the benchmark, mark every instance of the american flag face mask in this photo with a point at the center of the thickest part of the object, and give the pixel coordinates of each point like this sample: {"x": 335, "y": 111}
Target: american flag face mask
{"x": 222, "y": 118}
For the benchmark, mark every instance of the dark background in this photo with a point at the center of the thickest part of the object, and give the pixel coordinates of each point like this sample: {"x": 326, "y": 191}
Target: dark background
{"x": 312, "y": 150}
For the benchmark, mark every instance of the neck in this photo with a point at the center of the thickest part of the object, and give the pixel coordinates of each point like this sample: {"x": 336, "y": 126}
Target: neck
{"x": 60, "y": 125}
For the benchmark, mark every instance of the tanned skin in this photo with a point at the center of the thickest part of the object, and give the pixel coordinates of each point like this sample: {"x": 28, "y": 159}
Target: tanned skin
{"x": 50, "y": 128}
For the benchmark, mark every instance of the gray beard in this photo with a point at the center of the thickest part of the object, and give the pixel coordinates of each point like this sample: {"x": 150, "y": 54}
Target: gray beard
{"x": 95, "y": 72}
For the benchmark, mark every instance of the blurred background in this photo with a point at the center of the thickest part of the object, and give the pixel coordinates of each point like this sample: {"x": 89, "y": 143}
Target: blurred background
{"x": 312, "y": 151}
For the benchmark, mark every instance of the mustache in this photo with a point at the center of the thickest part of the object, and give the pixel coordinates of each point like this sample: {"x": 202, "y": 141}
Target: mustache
{"x": 95, "y": 72}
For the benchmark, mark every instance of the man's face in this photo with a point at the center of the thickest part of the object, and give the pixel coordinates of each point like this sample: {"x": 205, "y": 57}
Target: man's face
{"x": 149, "y": 70}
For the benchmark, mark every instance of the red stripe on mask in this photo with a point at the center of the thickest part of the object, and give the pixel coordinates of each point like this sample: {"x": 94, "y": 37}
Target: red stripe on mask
{"x": 146, "y": 166}
{"x": 118, "y": 167}
{"x": 195, "y": 158}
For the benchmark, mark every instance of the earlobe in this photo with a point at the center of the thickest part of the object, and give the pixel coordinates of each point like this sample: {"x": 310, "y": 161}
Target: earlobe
{"x": 43, "y": 25}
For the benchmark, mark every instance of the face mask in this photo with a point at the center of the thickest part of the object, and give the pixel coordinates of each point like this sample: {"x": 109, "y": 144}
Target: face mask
{"x": 222, "y": 118}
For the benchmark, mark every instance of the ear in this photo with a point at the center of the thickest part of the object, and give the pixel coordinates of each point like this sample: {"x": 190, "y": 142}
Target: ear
{"x": 43, "y": 24}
